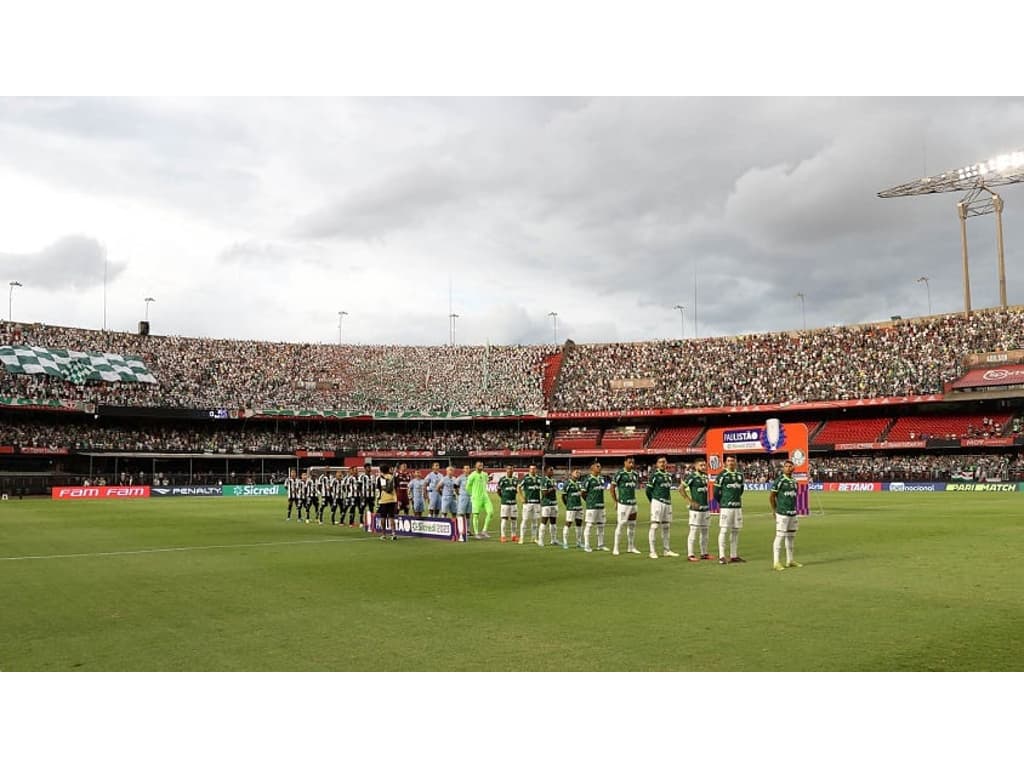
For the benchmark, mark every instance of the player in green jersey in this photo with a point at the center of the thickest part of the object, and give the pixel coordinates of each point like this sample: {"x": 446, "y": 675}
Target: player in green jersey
{"x": 783, "y": 503}
{"x": 624, "y": 486}
{"x": 572, "y": 497}
{"x": 729, "y": 495}
{"x": 659, "y": 491}
{"x": 508, "y": 488}
{"x": 593, "y": 495}
{"x": 548, "y": 506}
{"x": 529, "y": 492}
{"x": 695, "y": 489}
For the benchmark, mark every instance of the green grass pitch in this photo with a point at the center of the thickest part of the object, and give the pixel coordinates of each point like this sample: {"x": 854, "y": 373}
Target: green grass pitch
{"x": 891, "y": 582}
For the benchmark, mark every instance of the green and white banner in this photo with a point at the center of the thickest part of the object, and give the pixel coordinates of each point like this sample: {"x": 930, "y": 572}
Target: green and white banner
{"x": 73, "y": 366}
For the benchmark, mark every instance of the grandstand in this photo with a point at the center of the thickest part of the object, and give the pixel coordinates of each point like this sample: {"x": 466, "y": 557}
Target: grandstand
{"x": 225, "y": 408}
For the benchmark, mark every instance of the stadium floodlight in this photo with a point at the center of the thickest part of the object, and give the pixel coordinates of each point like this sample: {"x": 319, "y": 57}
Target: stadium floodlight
{"x": 928, "y": 287}
{"x": 682, "y": 322}
{"x": 977, "y": 180}
{"x": 451, "y": 328}
{"x": 149, "y": 300}
{"x": 803, "y": 310}
{"x": 341, "y": 316}
{"x": 554, "y": 328}
{"x": 10, "y": 299}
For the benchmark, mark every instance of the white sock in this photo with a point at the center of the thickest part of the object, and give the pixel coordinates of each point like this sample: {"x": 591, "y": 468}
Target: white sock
{"x": 579, "y": 533}
{"x": 600, "y": 535}
{"x": 691, "y": 540}
{"x": 789, "y": 549}
{"x": 704, "y": 536}
{"x": 631, "y": 535}
{"x": 650, "y": 535}
{"x": 777, "y": 547}
{"x": 539, "y": 536}
{"x": 722, "y": 534}
{"x": 735, "y": 542}
{"x": 565, "y": 534}
{"x": 618, "y": 535}
{"x": 664, "y": 537}
{"x": 522, "y": 530}
{"x": 586, "y": 534}
{"x": 504, "y": 527}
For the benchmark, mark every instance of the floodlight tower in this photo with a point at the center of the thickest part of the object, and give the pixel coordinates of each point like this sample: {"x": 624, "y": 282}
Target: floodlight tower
{"x": 977, "y": 181}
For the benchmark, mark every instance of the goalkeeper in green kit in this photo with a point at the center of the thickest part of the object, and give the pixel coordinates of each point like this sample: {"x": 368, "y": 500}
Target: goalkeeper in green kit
{"x": 476, "y": 486}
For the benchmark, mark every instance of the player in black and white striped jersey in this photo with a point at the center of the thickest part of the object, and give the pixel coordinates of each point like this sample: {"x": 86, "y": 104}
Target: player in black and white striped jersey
{"x": 366, "y": 494}
{"x": 349, "y": 491}
{"x": 308, "y": 493}
{"x": 292, "y": 488}
{"x": 334, "y": 496}
{"x": 320, "y": 497}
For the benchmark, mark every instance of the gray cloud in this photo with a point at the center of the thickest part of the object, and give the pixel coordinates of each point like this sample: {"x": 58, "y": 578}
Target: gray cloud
{"x": 73, "y": 262}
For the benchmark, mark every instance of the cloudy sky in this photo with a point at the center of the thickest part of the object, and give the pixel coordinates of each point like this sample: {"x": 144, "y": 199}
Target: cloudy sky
{"x": 263, "y": 218}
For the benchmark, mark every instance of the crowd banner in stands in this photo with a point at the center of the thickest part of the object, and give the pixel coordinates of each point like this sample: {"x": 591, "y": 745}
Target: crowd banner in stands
{"x": 253, "y": 490}
{"x": 506, "y": 452}
{"x": 770, "y": 438}
{"x": 441, "y": 528}
{"x": 315, "y": 454}
{"x": 79, "y": 492}
{"x": 752, "y": 409}
{"x": 898, "y": 445}
{"x": 396, "y": 454}
{"x": 982, "y": 487}
{"x": 986, "y": 442}
{"x": 169, "y": 491}
{"x": 32, "y": 403}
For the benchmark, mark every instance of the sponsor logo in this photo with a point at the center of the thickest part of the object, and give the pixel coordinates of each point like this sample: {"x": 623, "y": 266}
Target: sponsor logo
{"x": 188, "y": 490}
{"x": 856, "y": 487}
{"x": 996, "y": 374}
{"x": 797, "y": 457}
{"x": 100, "y": 492}
{"x": 253, "y": 490}
{"x": 714, "y": 462}
{"x": 982, "y": 487}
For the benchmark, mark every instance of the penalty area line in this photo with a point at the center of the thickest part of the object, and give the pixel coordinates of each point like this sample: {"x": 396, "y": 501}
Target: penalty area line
{"x": 182, "y": 549}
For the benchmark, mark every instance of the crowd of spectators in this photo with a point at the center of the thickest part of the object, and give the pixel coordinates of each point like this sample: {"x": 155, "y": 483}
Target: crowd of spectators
{"x": 256, "y": 438}
{"x": 222, "y": 373}
{"x": 891, "y": 359}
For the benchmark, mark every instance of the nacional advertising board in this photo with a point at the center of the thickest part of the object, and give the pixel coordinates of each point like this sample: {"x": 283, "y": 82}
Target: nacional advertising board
{"x": 421, "y": 527}
{"x": 79, "y": 492}
{"x": 900, "y": 487}
{"x": 253, "y": 490}
{"x": 179, "y": 491}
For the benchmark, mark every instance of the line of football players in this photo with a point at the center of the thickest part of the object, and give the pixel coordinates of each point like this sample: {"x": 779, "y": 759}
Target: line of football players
{"x": 349, "y": 494}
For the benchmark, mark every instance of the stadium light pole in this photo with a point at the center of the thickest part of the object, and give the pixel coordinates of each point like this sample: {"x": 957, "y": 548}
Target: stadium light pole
{"x": 554, "y": 328}
{"x": 341, "y": 318}
{"x": 10, "y": 299}
{"x": 928, "y": 287}
{"x": 682, "y": 320}
{"x": 977, "y": 181}
{"x": 451, "y": 328}
{"x": 149, "y": 300}
{"x": 803, "y": 310}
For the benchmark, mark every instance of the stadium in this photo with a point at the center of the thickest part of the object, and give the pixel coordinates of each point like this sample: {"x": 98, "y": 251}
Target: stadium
{"x": 120, "y": 454}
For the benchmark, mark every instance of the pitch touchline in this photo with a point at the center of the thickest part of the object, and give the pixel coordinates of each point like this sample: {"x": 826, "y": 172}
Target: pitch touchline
{"x": 180, "y": 549}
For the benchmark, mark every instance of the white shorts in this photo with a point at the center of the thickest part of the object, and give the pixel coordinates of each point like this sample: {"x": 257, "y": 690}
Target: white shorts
{"x": 508, "y": 510}
{"x": 531, "y": 512}
{"x": 594, "y": 516}
{"x": 549, "y": 512}
{"x": 786, "y": 523}
{"x": 699, "y": 518}
{"x": 730, "y": 517}
{"x": 572, "y": 515}
{"x": 624, "y": 511}
{"x": 661, "y": 512}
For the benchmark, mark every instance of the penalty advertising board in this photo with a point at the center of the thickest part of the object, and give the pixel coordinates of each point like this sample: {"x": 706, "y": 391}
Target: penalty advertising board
{"x": 774, "y": 437}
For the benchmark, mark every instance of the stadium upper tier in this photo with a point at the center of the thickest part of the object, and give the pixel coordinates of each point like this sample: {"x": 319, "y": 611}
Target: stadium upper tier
{"x": 885, "y": 360}
{"x": 889, "y": 359}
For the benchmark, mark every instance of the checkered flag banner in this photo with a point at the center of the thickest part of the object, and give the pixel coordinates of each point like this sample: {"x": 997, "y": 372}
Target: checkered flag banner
{"x": 76, "y": 367}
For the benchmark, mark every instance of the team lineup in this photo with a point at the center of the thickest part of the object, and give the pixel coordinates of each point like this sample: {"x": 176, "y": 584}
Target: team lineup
{"x": 528, "y": 505}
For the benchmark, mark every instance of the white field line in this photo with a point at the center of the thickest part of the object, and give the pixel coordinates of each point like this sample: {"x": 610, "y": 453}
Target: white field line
{"x": 183, "y": 549}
